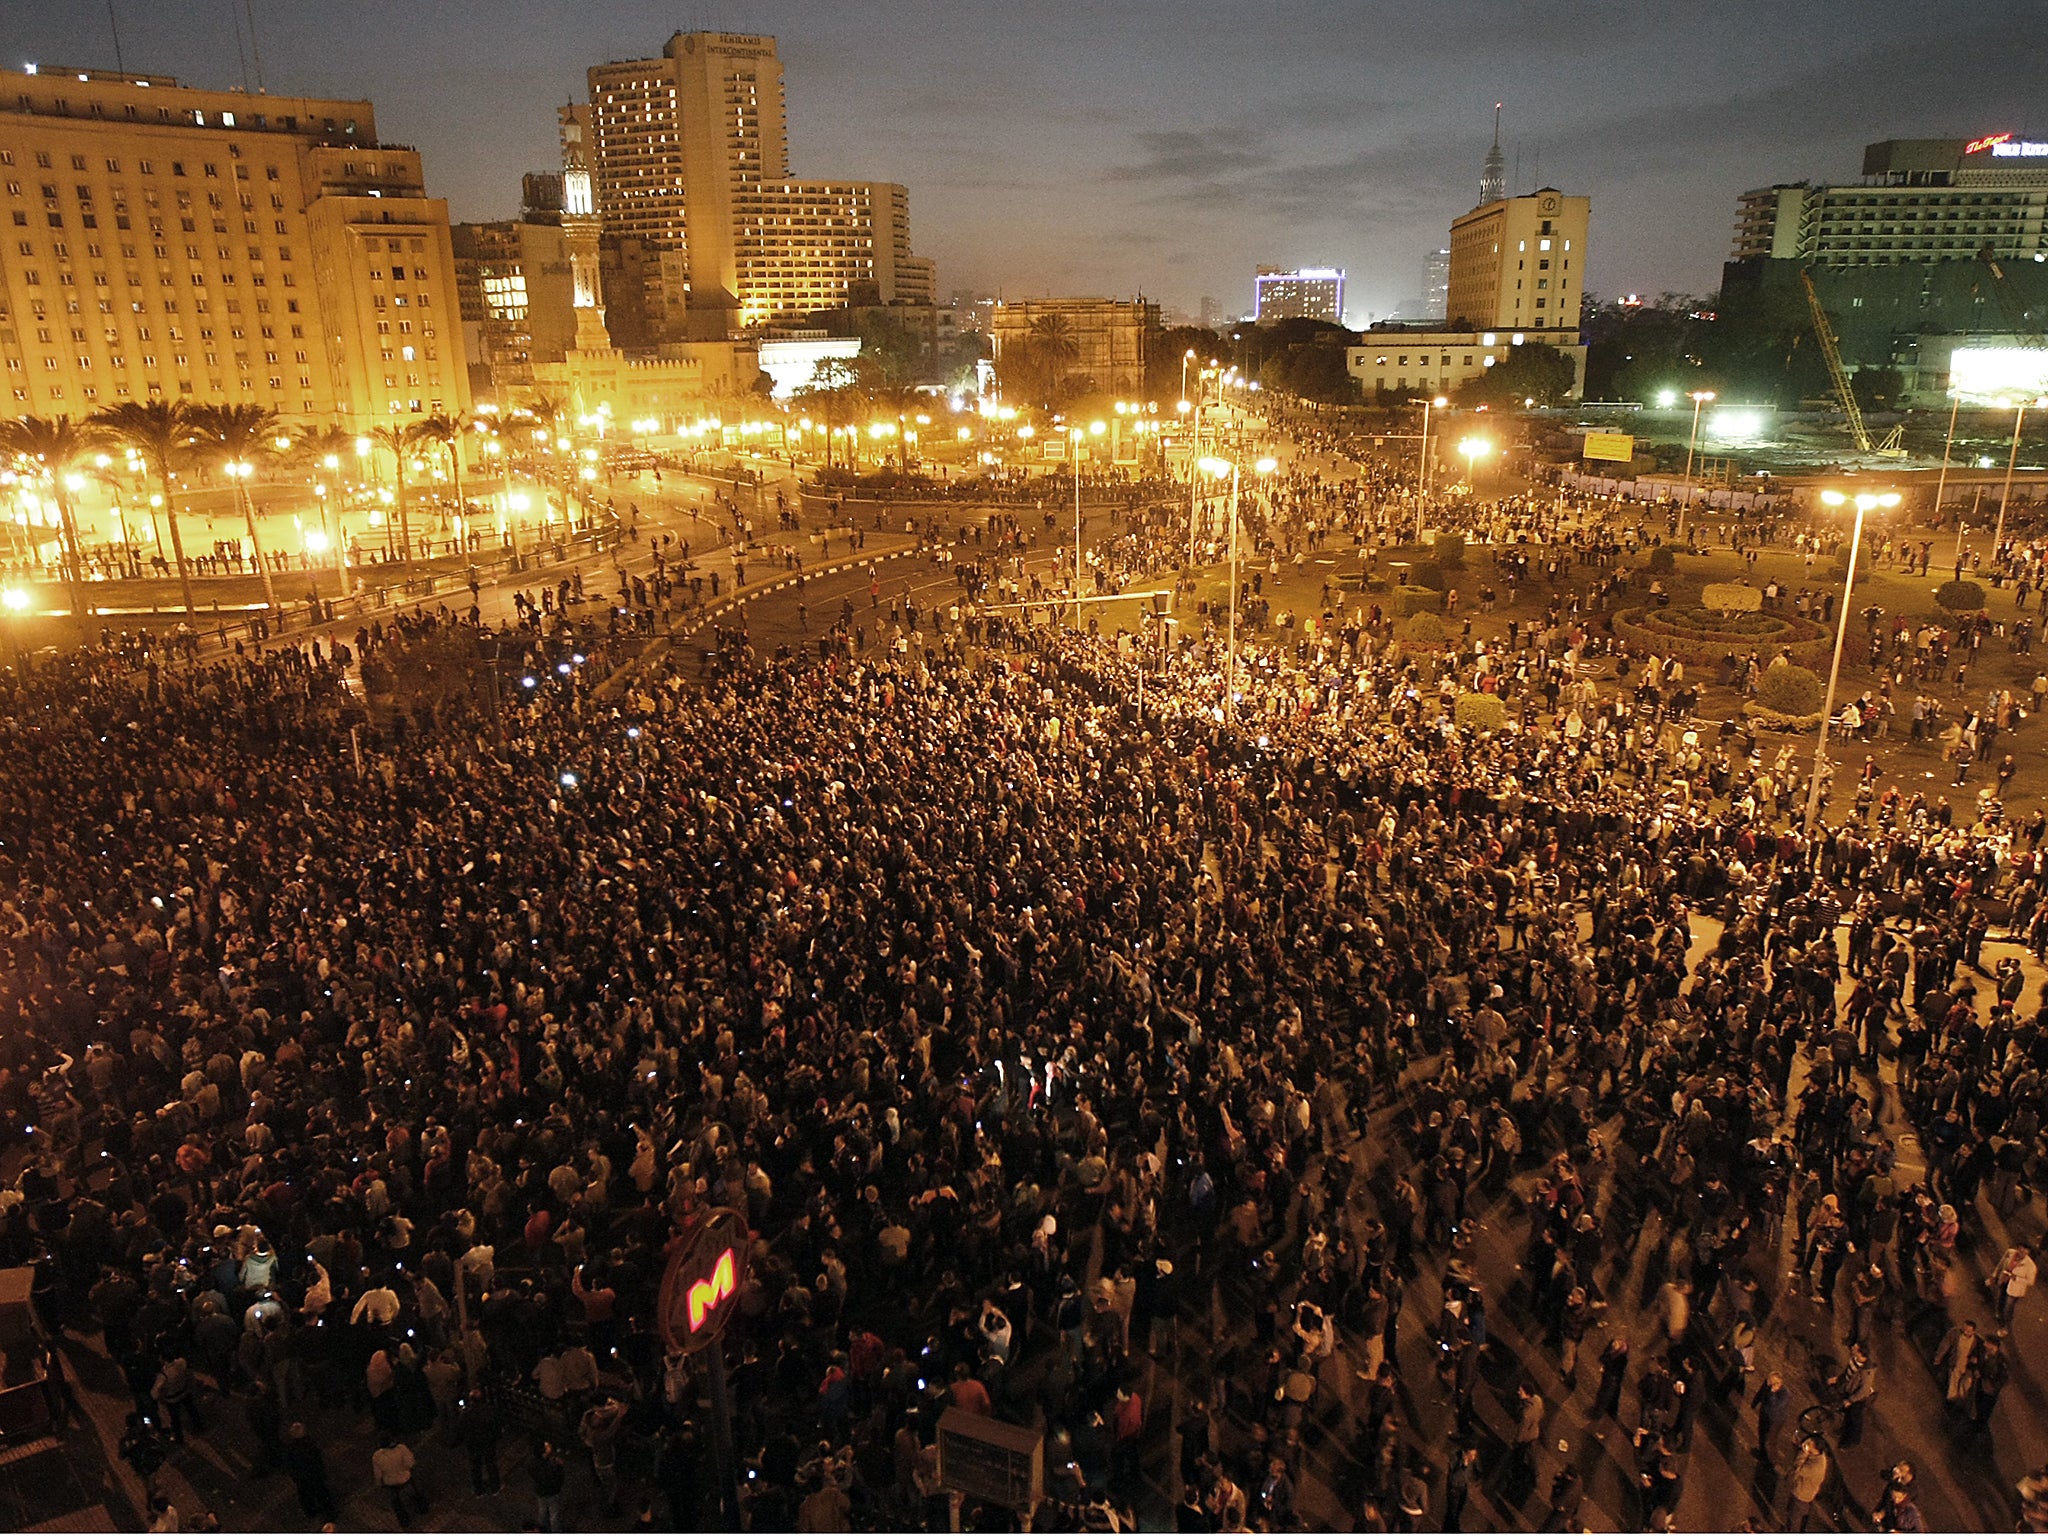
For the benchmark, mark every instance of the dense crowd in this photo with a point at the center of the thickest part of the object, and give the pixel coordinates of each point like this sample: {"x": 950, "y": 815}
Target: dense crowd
{"x": 1130, "y": 1075}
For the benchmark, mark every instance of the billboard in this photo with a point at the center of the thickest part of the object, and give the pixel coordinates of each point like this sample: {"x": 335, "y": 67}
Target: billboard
{"x": 1619, "y": 447}
{"x": 1998, "y": 374}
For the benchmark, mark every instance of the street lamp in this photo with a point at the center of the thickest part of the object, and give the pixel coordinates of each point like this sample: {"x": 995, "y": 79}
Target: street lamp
{"x": 1217, "y": 468}
{"x": 1862, "y": 501}
{"x": 1096, "y": 429}
{"x": 1474, "y": 449}
{"x": 1422, "y": 480}
{"x": 2019, "y": 415}
{"x": 1699, "y": 398}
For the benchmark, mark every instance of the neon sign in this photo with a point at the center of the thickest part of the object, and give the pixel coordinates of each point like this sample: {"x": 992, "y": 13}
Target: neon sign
{"x": 1978, "y": 146}
{"x": 707, "y": 1268}
{"x": 2030, "y": 149}
{"x": 706, "y": 1294}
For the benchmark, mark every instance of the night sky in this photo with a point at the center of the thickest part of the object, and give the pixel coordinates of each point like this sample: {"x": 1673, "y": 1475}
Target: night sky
{"x": 1170, "y": 147}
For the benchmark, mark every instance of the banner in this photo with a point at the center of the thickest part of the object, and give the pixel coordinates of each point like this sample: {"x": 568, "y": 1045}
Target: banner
{"x": 1619, "y": 447}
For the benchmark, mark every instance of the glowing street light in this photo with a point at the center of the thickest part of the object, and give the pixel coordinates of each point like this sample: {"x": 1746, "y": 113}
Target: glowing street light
{"x": 1216, "y": 469}
{"x": 1699, "y": 398}
{"x": 1863, "y": 501}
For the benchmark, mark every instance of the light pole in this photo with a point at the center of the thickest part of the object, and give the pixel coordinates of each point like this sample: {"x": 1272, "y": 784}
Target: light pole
{"x": 1474, "y": 449}
{"x": 240, "y": 471}
{"x": 1095, "y": 428}
{"x": 1699, "y": 398}
{"x": 2019, "y": 415}
{"x": 1422, "y": 480}
{"x": 1217, "y": 468}
{"x": 1195, "y": 455}
{"x": 1947, "y": 446}
{"x": 1863, "y": 501}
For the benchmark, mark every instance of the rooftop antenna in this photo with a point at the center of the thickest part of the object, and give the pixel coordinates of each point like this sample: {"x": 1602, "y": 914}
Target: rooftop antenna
{"x": 255, "y": 49}
{"x": 241, "y": 53}
{"x": 114, "y": 26}
{"x": 1492, "y": 179}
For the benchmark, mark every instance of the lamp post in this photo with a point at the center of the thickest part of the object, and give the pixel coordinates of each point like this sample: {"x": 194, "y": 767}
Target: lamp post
{"x": 1095, "y": 428}
{"x": 1422, "y": 480}
{"x": 1218, "y": 468}
{"x": 2019, "y": 415}
{"x": 240, "y": 471}
{"x": 1947, "y": 446}
{"x": 1699, "y": 398}
{"x": 1863, "y": 501}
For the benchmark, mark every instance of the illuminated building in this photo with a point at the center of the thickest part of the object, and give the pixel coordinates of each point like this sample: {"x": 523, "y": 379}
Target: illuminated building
{"x": 1898, "y": 259}
{"x": 1310, "y": 293}
{"x": 213, "y": 246}
{"x": 690, "y": 154}
{"x": 1518, "y": 264}
{"x": 1397, "y": 361}
{"x": 513, "y": 279}
{"x": 1920, "y": 200}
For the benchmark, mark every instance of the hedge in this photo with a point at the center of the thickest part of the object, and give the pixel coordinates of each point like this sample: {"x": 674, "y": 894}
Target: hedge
{"x": 1702, "y": 641}
{"x": 1481, "y": 712}
{"x": 1426, "y": 629}
{"x": 1730, "y": 597}
{"x": 1409, "y": 600}
{"x": 1790, "y": 690}
{"x": 1959, "y": 597}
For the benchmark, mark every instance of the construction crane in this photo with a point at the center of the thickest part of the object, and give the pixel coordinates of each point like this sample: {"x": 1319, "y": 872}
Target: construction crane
{"x": 1893, "y": 445}
{"x": 2021, "y": 326}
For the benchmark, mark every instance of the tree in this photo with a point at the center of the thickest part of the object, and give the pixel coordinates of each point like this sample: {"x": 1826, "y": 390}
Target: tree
{"x": 1533, "y": 371}
{"x": 60, "y": 449}
{"x": 397, "y": 440}
{"x": 444, "y": 432}
{"x": 234, "y": 438}
{"x": 836, "y": 395}
{"x": 161, "y": 432}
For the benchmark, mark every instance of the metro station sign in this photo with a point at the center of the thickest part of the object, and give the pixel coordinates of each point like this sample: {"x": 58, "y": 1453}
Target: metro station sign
{"x": 703, "y": 1280}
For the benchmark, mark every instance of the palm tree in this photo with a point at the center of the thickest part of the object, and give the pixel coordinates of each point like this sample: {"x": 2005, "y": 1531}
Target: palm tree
{"x": 231, "y": 437}
{"x": 60, "y": 448}
{"x": 397, "y": 440}
{"x": 548, "y": 413}
{"x": 445, "y": 432}
{"x": 161, "y": 432}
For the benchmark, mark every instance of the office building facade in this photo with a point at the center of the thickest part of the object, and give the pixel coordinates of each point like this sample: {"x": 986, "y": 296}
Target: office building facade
{"x": 213, "y": 246}
{"x": 1308, "y": 293}
{"x": 513, "y": 280}
{"x": 1920, "y": 201}
{"x": 690, "y": 155}
{"x": 1392, "y": 363}
{"x": 1518, "y": 264}
{"x": 1110, "y": 338}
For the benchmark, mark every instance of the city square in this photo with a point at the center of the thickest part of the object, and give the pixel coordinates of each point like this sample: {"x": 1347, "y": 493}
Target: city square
{"x": 660, "y": 874}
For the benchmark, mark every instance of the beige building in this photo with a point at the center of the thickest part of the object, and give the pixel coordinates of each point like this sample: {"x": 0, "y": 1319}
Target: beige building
{"x": 1519, "y": 264}
{"x": 1423, "y": 361}
{"x": 1109, "y": 337}
{"x": 690, "y": 153}
{"x": 212, "y": 246}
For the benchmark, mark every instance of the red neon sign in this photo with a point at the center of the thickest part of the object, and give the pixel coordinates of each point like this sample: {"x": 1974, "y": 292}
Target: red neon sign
{"x": 1978, "y": 146}
{"x": 706, "y": 1294}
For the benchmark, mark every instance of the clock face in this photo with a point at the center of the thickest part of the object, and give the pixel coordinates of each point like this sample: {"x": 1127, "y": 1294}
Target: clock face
{"x": 1549, "y": 205}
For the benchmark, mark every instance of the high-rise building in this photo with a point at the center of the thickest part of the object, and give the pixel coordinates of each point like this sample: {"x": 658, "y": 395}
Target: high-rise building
{"x": 513, "y": 278}
{"x": 1308, "y": 293}
{"x": 220, "y": 247}
{"x": 1436, "y": 283}
{"x": 1493, "y": 176}
{"x": 689, "y": 153}
{"x": 1518, "y": 264}
{"x": 1920, "y": 201}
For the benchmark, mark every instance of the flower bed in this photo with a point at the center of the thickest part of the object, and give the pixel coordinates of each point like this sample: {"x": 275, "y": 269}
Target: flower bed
{"x": 1699, "y": 637}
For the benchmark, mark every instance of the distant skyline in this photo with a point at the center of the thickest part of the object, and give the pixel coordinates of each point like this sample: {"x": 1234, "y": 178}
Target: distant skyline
{"x": 1168, "y": 148}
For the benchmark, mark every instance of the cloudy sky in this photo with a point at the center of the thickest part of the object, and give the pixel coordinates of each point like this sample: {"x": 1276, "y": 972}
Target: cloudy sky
{"x": 1147, "y": 145}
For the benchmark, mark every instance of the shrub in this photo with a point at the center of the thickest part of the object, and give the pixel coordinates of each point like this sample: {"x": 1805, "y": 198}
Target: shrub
{"x": 1426, "y": 629}
{"x": 1450, "y": 551}
{"x": 1730, "y": 597}
{"x": 1772, "y": 720}
{"x": 1663, "y": 559}
{"x": 1790, "y": 691}
{"x": 1409, "y": 600}
{"x": 1959, "y": 596}
{"x": 1427, "y": 573}
{"x": 1481, "y": 712}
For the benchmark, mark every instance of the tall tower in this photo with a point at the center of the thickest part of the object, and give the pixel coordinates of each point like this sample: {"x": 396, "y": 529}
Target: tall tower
{"x": 580, "y": 230}
{"x": 1493, "y": 180}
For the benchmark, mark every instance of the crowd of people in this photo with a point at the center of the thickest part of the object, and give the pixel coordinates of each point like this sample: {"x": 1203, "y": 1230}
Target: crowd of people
{"x": 1130, "y": 1074}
